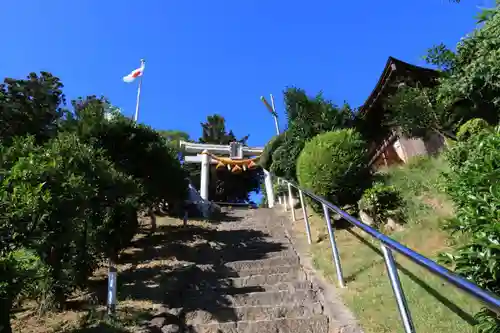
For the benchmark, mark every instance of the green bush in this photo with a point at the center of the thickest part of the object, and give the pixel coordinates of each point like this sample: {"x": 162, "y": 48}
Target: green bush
{"x": 471, "y": 128}
{"x": 381, "y": 202}
{"x": 334, "y": 165}
{"x": 69, "y": 204}
{"x": 285, "y": 157}
{"x": 72, "y": 184}
{"x": 266, "y": 158}
{"x": 22, "y": 274}
{"x": 136, "y": 150}
{"x": 474, "y": 185}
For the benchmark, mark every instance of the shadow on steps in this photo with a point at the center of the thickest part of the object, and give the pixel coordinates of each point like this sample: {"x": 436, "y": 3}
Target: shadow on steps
{"x": 195, "y": 284}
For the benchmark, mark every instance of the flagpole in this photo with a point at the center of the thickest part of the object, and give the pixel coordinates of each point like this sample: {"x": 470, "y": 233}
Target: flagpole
{"x": 275, "y": 115}
{"x": 136, "y": 115}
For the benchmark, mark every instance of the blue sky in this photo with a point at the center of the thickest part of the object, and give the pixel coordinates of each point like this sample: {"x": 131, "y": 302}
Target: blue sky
{"x": 216, "y": 56}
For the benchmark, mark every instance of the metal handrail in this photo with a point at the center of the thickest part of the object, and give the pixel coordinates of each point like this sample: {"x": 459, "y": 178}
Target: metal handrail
{"x": 489, "y": 299}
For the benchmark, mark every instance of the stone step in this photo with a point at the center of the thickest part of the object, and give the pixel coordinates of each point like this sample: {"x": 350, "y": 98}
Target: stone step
{"x": 244, "y": 265}
{"x": 253, "y": 313}
{"x": 261, "y": 252}
{"x": 258, "y": 280}
{"x": 226, "y": 289}
{"x": 258, "y": 271}
{"x": 278, "y": 230}
{"x": 252, "y": 299}
{"x": 268, "y": 238}
{"x": 316, "y": 324}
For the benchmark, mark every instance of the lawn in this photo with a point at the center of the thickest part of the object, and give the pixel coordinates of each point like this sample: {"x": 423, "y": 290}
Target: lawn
{"x": 435, "y": 306}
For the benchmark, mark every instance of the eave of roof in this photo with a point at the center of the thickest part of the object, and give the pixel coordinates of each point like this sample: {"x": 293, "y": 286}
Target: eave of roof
{"x": 392, "y": 66}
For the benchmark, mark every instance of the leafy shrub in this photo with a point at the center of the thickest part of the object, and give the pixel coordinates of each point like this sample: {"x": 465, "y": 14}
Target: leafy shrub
{"x": 138, "y": 151}
{"x": 285, "y": 157}
{"x": 334, "y": 165}
{"x": 471, "y": 86}
{"x": 266, "y": 158}
{"x": 474, "y": 185}
{"x": 72, "y": 184}
{"x": 22, "y": 273}
{"x": 471, "y": 128}
{"x": 80, "y": 187}
{"x": 381, "y": 202}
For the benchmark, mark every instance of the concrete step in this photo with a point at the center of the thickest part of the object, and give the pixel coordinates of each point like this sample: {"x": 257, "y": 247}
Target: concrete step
{"x": 262, "y": 263}
{"x": 253, "y": 313}
{"x": 316, "y": 324}
{"x": 261, "y": 252}
{"x": 267, "y": 238}
{"x": 225, "y": 289}
{"x": 258, "y": 280}
{"x": 258, "y": 271}
{"x": 266, "y": 247}
{"x": 252, "y": 299}
{"x": 276, "y": 230}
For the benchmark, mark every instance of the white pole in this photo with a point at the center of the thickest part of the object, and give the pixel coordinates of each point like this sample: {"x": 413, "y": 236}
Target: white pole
{"x": 274, "y": 115}
{"x": 205, "y": 168}
{"x": 136, "y": 115}
{"x": 269, "y": 188}
{"x": 111, "y": 288}
{"x": 290, "y": 200}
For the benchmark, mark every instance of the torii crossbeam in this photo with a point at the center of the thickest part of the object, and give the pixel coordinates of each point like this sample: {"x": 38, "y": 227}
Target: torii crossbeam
{"x": 235, "y": 151}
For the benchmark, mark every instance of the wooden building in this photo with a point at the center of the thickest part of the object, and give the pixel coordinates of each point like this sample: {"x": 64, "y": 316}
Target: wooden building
{"x": 387, "y": 145}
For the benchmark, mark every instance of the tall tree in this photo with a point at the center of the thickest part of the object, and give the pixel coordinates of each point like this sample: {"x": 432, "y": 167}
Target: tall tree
{"x": 32, "y": 106}
{"x": 174, "y": 137}
{"x": 307, "y": 117}
{"x": 214, "y": 131}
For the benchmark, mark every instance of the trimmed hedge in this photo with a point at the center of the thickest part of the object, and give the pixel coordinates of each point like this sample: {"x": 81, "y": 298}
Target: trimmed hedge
{"x": 334, "y": 165}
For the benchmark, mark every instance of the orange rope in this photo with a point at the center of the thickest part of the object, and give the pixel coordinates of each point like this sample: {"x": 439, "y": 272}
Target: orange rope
{"x": 229, "y": 160}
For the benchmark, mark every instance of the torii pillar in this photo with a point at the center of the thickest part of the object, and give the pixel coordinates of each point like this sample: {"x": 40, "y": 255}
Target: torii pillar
{"x": 205, "y": 174}
{"x": 202, "y": 148}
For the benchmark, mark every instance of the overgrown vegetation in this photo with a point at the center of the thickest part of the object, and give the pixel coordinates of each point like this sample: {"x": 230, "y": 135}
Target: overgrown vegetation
{"x": 473, "y": 183}
{"x": 72, "y": 184}
{"x": 461, "y": 104}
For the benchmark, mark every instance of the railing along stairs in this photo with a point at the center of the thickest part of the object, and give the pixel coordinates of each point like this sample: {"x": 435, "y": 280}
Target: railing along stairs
{"x": 388, "y": 246}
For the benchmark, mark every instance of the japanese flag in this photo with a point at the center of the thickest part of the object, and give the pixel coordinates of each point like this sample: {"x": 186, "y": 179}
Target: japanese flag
{"x": 135, "y": 73}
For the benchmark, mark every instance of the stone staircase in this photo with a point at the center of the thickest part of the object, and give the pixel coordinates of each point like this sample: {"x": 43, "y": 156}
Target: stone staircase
{"x": 256, "y": 284}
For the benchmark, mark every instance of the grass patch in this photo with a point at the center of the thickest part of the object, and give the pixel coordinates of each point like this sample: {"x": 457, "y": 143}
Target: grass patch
{"x": 435, "y": 306}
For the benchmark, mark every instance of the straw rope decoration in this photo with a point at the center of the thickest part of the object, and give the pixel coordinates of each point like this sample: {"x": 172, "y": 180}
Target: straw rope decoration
{"x": 235, "y": 166}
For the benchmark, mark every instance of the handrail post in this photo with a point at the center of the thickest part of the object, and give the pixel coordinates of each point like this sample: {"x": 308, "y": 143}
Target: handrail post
{"x": 306, "y": 218}
{"x": 285, "y": 204}
{"x": 392, "y": 271}
{"x": 290, "y": 200}
{"x": 335, "y": 251}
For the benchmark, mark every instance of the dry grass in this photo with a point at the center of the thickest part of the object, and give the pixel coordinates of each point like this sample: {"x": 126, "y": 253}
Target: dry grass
{"x": 141, "y": 270}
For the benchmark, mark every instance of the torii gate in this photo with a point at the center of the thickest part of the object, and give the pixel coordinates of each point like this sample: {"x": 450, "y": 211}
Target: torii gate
{"x": 235, "y": 150}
